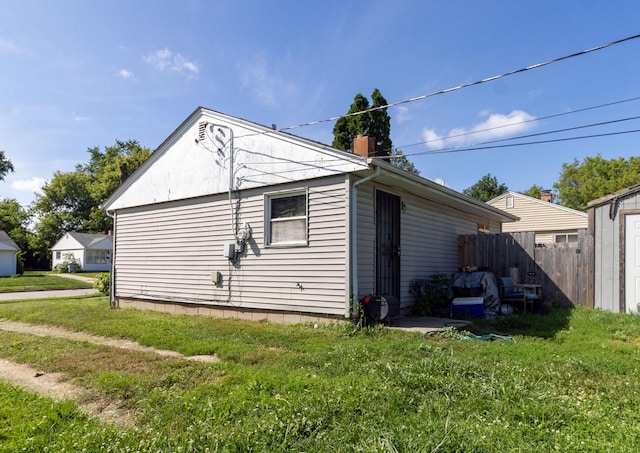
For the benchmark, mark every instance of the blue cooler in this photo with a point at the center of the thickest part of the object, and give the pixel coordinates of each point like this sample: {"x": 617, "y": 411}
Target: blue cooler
{"x": 467, "y": 306}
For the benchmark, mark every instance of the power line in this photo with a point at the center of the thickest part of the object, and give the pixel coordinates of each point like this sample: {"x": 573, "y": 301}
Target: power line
{"x": 556, "y": 115}
{"x": 479, "y": 148}
{"x": 466, "y": 85}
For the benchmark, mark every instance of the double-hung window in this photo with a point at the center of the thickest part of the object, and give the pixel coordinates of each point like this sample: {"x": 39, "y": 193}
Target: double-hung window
{"x": 286, "y": 218}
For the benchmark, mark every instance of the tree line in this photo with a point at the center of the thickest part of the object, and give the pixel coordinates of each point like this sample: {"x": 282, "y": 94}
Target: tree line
{"x": 71, "y": 201}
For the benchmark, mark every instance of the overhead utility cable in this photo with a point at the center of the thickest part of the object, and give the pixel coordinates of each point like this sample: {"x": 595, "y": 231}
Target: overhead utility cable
{"x": 466, "y": 85}
{"x": 478, "y": 148}
{"x": 464, "y": 134}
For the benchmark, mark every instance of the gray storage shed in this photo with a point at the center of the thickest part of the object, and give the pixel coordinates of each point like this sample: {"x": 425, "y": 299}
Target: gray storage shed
{"x": 614, "y": 229}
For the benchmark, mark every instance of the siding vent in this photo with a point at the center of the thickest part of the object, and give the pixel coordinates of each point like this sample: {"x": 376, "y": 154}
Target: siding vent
{"x": 202, "y": 127}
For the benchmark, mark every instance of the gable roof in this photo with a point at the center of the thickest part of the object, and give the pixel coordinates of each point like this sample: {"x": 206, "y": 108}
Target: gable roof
{"x": 261, "y": 156}
{"x": 7, "y": 241}
{"x": 546, "y": 204}
{"x": 615, "y": 196}
{"x": 264, "y": 157}
{"x": 87, "y": 239}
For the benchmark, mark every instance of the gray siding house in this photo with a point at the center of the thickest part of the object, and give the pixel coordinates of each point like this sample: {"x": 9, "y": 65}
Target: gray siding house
{"x": 230, "y": 218}
{"x": 614, "y": 231}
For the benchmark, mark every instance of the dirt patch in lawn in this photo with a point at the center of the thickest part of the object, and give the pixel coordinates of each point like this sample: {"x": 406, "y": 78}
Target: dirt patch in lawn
{"x": 57, "y": 387}
{"x": 53, "y": 385}
{"x": 59, "y": 332}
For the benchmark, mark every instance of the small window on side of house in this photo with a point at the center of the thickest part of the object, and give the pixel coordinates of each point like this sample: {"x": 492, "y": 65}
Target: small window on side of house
{"x": 286, "y": 219}
{"x": 509, "y": 202}
{"x": 566, "y": 238}
{"x": 58, "y": 255}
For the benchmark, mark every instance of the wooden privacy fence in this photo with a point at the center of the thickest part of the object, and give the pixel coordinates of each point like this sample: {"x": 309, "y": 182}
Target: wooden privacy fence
{"x": 561, "y": 269}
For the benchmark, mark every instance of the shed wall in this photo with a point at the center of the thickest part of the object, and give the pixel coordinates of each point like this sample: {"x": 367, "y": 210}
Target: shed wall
{"x": 170, "y": 252}
{"x": 607, "y": 255}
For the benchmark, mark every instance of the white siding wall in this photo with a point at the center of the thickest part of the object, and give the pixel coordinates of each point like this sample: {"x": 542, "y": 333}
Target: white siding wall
{"x": 428, "y": 242}
{"x": 78, "y": 253}
{"x": 168, "y": 252}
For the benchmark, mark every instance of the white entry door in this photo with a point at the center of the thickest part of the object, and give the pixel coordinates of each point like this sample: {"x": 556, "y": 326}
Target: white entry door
{"x": 632, "y": 263}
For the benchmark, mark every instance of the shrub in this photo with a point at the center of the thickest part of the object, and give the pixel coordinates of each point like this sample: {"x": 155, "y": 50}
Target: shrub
{"x": 103, "y": 283}
{"x": 434, "y": 296}
{"x": 69, "y": 261}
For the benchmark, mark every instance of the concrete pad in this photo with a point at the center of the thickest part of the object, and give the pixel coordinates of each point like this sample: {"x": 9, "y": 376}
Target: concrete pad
{"x": 426, "y": 324}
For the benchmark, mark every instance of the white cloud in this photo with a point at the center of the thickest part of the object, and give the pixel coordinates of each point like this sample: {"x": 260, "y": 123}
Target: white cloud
{"x": 166, "y": 59}
{"x": 496, "y": 126}
{"x": 125, "y": 74}
{"x": 267, "y": 87}
{"x": 29, "y": 185}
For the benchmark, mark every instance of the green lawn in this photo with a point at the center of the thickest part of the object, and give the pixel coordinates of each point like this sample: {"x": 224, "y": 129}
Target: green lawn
{"x": 36, "y": 281}
{"x": 570, "y": 382}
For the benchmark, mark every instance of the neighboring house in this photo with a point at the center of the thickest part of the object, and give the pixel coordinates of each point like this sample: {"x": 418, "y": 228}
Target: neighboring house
{"x": 8, "y": 255}
{"x": 551, "y": 222}
{"x": 231, "y": 218}
{"x": 93, "y": 251}
{"x": 614, "y": 229}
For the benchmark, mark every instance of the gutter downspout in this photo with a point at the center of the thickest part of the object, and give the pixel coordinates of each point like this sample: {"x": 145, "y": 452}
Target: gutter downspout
{"x": 113, "y": 303}
{"x": 354, "y": 237}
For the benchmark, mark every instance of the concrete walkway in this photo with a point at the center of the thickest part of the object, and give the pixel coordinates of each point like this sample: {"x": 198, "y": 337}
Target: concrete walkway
{"x": 47, "y": 294}
{"x": 53, "y": 293}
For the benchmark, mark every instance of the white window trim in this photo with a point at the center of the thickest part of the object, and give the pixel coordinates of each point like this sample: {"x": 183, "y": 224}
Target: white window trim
{"x": 566, "y": 238}
{"x": 509, "y": 201}
{"x": 268, "y": 196}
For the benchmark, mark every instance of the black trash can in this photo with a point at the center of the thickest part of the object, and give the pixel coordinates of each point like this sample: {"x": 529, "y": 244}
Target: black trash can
{"x": 380, "y": 308}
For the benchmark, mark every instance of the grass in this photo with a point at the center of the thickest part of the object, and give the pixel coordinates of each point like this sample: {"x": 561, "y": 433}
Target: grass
{"x": 571, "y": 382}
{"x": 37, "y": 281}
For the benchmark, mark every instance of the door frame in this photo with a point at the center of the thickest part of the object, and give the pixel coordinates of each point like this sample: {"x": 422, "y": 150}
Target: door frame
{"x": 622, "y": 253}
{"x": 394, "y": 212}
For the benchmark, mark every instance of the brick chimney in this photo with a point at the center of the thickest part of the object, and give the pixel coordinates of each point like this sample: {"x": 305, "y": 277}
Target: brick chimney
{"x": 546, "y": 196}
{"x": 364, "y": 146}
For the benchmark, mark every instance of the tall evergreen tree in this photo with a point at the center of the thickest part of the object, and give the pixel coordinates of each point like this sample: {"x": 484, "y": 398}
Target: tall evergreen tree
{"x": 376, "y": 124}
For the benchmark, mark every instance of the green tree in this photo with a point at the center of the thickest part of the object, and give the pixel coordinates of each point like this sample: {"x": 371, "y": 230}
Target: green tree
{"x": 347, "y": 128}
{"x": 486, "y": 189}
{"x": 5, "y": 166}
{"x": 400, "y": 160}
{"x": 14, "y": 220}
{"x": 376, "y": 124}
{"x": 594, "y": 177}
{"x": 535, "y": 191}
{"x": 72, "y": 201}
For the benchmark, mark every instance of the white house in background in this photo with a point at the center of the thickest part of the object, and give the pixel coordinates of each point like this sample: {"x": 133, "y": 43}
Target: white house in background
{"x": 551, "y": 222}
{"x": 230, "y": 218}
{"x": 8, "y": 255}
{"x": 93, "y": 251}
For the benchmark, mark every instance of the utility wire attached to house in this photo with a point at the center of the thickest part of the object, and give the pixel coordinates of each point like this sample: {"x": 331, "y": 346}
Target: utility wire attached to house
{"x": 458, "y": 87}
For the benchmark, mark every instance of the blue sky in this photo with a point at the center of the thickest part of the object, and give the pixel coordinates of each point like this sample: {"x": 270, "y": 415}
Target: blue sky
{"x": 79, "y": 74}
